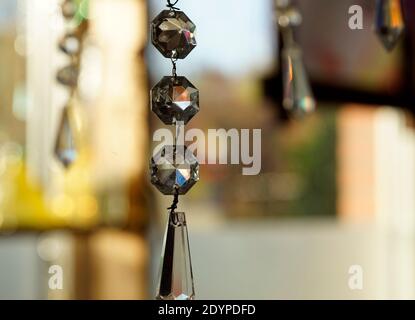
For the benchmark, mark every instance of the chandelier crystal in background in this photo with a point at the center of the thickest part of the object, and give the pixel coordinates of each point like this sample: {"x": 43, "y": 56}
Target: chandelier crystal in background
{"x": 68, "y": 76}
{"x": 176, "y": 275}
{"x": 297, "y": 96}
{"x": 174, "y": 169}
{"x": 69, "y": 9}
{"x": 389, "y": 22}
{"x": 65, "y": 149}
{"x": 70, "y": 44}
{"x": 174, "y": 99}
{"x": 173, "y": 34}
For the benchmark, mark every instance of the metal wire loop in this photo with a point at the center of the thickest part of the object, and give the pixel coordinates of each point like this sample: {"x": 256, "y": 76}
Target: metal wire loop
{"x": 171, "y": 5}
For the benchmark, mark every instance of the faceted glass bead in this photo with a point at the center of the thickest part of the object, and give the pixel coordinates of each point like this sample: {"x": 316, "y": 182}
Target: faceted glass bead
{"x": 297, "y": 96}
{"x": 68, "y": 76}
{"x": 69, "y": 9}
{"x": 70, "y": 44}
{"x": 389, "y": 22}
{"x": 174, "y": 99}
{"x": 176, "y": 275}
{"x": 65, "y": 149}
{"x": 173, "y": 34}
{"x": 174, "y": 168}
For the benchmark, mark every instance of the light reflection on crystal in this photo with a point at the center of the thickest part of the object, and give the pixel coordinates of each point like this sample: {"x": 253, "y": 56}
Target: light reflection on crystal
{"x": 176, "y": 275}
{"x": 389, "y": 22}
{"x": 173, "y": 34}
{"x": 297, "y": 96}
{"x": 174, "y": 99}
{"x": 174, "y": 168}
{"x": 65, "y": 149}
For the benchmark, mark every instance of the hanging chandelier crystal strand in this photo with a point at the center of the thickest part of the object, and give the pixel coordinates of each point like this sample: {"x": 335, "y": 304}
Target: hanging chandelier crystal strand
{"x": 66, "y": 150}
{"x": 389, "y": 22}
{"x": 298, "y": 98}
{"x": 174, "y": 169}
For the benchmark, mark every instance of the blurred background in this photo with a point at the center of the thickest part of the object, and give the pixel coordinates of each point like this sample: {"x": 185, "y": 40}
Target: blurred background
{"x": 336, "y": 189}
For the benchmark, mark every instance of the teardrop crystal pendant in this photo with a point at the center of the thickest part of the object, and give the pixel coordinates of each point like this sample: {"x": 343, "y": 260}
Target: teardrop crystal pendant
{"x": 174, "y": 169}
{"x": 389, "y": 22}
{"x": 176, "y": 275}
{"x": 297, "y": 96}
{"x": 65, "y": 149}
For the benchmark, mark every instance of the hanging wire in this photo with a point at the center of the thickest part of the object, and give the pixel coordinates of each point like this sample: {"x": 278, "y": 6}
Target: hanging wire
{"x": 173, "y": 206}
{"x": 174, "y": 68}
{"x": 172, "y": 6}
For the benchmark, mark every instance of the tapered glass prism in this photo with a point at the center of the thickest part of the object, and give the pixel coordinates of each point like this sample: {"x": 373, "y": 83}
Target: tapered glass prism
{"x": 297, "y": 96}
{"x": 389, "y": 22}
{"x": 176, "y": 275}
{"x": 174, "y": 99}
{"x": 65, "y": 146}
{"x": 173, "y": 34}
{"x": 174, "y": 169}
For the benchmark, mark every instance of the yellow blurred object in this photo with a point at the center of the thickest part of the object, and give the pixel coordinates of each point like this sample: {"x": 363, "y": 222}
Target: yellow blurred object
{"x": 21, "y": 202}
{"x": 24, "y": 205}
{"x": 76, "y": 203}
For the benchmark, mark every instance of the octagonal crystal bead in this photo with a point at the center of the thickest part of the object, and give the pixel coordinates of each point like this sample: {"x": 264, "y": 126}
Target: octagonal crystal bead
{"x": 68, "y": 76}
{"x": 173, "y": 34}
{"x": 70, "y": 44}
{"x": 174, "y": 168}
{"x": 174, "y": 99}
